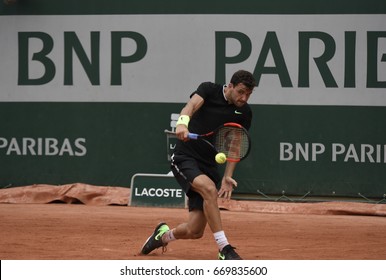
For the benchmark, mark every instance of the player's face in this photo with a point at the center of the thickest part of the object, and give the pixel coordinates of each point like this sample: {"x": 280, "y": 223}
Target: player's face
{"x": 239, "y": 94}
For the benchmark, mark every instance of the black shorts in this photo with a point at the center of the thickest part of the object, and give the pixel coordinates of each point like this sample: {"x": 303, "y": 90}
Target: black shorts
{"x": 185, "y": 170}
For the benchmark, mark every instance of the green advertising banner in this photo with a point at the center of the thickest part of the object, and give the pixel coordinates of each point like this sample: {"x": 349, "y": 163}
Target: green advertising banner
{"x": 156, "y": 190}
{"x": 87, "y": 89}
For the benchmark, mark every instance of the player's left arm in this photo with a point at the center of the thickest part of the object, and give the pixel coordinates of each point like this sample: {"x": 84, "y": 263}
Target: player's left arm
{"x": 227, "y": 182}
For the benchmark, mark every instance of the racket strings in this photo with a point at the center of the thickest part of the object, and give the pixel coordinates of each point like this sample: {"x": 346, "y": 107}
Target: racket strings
{"x": 232, "y": 141}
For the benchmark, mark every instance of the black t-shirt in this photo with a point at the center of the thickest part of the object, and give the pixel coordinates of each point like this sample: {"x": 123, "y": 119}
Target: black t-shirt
{"x": 214, "y": 112}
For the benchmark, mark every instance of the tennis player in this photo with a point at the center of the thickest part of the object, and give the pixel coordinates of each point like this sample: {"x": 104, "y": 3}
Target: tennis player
{"x": 193, "y": 162}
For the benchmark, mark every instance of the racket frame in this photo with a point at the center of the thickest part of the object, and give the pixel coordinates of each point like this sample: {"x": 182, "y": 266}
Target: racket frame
{"x": 195, "y": 136}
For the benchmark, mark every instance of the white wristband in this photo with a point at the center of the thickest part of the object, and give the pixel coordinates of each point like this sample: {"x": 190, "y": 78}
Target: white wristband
{"x": 183, "y": 119}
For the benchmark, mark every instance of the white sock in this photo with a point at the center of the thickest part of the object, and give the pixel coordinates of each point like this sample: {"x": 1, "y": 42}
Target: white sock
{"x": 221, "y": 239}
{"x": 168, "y": 237}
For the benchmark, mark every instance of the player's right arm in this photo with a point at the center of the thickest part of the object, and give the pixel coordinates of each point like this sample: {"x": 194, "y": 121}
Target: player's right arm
{"x": 193, "y": 105}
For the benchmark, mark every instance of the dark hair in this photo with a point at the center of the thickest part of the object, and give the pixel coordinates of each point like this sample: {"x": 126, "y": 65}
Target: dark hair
{"x": 245, "y": 78}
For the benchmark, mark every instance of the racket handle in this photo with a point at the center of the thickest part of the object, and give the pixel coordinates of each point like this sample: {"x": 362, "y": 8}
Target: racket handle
{"x": 193, "y": 136}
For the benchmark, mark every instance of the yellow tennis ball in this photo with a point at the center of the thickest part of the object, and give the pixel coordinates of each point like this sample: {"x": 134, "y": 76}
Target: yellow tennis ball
{"x": 221, "y": 158}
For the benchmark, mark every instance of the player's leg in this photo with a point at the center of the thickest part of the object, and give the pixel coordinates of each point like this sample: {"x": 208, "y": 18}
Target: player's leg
{"x": 193, "y": 229}
{"x": 203, "y": 208}
{"x": 203, "y": 185}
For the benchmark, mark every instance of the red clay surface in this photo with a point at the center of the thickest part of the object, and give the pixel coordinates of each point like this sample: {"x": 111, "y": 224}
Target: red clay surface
{"x": 73, "y": 231}
{"x": 267, "y": 230}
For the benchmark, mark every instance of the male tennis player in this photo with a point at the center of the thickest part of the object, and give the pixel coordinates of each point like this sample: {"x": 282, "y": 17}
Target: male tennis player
{"x": 193, "y": 162}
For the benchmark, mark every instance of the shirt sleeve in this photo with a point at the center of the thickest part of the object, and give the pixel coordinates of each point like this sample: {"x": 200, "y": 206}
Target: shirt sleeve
{"x": 203, "y": 90}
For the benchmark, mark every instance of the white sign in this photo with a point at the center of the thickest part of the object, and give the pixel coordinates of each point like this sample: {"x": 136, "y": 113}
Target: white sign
{"x": 298, "y": 59}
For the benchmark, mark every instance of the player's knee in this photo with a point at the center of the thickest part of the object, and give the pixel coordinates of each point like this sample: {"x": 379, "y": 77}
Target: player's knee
{"x": 196, "y": 234}
{"x": 210, "y": 193}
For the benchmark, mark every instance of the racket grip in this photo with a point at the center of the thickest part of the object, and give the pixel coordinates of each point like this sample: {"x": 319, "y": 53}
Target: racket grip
{"x": 193, "y": 136}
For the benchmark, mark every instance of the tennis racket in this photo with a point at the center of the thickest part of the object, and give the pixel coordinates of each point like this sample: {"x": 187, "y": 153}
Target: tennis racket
{"x": 232, "y": 139}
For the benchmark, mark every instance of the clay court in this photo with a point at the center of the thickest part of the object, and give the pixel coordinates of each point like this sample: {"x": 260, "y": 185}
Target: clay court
{"x": 94, "y": 223}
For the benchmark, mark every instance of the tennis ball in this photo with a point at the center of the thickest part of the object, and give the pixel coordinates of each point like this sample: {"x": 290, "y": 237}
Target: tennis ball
{"x": 221, "y": 158}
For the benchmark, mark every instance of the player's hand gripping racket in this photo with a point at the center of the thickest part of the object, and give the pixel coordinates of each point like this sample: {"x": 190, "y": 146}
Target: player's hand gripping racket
{"x": 230, "y": 138}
